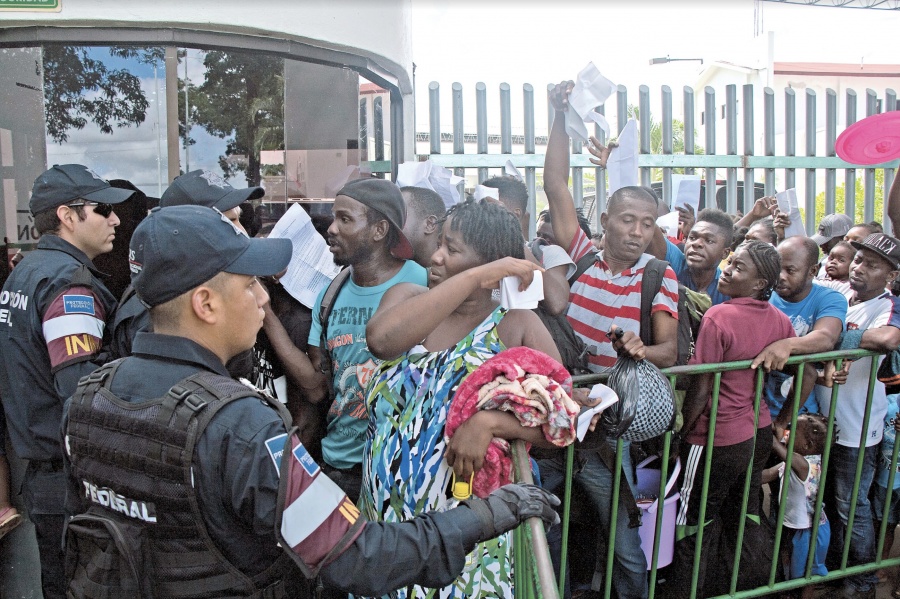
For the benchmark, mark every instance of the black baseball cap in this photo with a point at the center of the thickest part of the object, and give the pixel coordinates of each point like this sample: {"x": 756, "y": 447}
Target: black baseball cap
{"x": 206, "y": 188}
{"x": 178, "y": 248}
{"x": 66, "y": 183}
{"x": 884, "y": 245}
{"x": 385, "y": 197}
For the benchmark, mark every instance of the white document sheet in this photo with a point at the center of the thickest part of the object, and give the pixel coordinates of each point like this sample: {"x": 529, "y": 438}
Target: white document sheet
{"x": 311, "y": 267}
{"x": 787, "y": 203}
{"x": 591, "y": 90}
{"x": 430, "y": 176}
{"x": 513, "y": 299}
{"x": 686, "y": 189}
{"x": 607, "y": 396}
{"x": 669, "y": 222}
{"x": 623, "y": 160}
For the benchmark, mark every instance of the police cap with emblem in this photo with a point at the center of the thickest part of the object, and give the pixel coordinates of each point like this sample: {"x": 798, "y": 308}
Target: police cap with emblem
{"x": 884, "y": 245}
{"x": 66, "y": 183}
{"x": 181, "y": 247}
{"x": 206, "y": 188}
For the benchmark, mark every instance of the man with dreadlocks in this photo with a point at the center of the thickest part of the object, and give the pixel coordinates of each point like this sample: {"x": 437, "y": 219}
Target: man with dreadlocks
{"x": 749, "y": 278}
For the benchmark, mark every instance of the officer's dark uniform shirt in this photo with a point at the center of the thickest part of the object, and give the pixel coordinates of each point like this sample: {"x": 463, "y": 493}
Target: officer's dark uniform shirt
{"x": 237, "y": 484}
{"x": 51, "y": 334}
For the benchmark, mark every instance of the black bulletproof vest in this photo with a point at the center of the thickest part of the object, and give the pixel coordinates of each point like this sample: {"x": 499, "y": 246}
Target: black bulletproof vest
{"x": 133, "y": 463}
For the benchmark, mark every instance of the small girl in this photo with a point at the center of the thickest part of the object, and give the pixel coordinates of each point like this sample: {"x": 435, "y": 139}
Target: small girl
{"x": 803, "y": 486}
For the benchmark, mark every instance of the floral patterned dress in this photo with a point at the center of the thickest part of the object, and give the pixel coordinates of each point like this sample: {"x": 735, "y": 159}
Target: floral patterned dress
{"x": 404, "y": 470}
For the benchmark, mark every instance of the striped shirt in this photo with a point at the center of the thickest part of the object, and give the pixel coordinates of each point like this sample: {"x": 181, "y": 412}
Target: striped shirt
{"x": 600, "y": 299}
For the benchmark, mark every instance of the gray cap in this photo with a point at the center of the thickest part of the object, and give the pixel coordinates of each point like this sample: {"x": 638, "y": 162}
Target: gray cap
{"x": 831, "y": 226}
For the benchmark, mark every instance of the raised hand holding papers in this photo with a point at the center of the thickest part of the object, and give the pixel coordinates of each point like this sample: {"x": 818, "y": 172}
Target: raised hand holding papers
{"x": 591, "y": 90}
{"x": 787, "y": 203}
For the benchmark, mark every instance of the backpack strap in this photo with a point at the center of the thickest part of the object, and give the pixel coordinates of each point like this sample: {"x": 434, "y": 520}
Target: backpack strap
{"x": 651, "y": 282}
{"x": 582, "y": 265}
{"x": 325, "y": 309}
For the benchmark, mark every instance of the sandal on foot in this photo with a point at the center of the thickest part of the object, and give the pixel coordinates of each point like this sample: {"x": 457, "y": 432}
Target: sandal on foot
{"x": 9, "y": 519}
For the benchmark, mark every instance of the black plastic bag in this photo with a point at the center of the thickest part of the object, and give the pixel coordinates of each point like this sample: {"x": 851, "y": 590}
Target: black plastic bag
{"x": 646, "y": 406}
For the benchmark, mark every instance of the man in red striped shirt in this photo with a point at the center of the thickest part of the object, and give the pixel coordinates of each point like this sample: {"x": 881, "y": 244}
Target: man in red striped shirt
{"x": 605, "y": 297}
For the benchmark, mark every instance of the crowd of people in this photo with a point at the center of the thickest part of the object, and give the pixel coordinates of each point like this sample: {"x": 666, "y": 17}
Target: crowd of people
{"x": 196, "y": 422}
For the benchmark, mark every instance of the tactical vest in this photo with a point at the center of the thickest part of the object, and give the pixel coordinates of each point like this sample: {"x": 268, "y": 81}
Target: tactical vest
{"x": 140, "y": 532}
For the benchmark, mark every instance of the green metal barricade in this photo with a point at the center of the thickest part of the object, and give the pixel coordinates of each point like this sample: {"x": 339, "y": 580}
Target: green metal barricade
{"x": 528, "y": 577}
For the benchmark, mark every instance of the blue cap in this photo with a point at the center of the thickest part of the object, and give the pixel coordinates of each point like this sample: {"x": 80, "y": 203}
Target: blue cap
{"x": 206, "y": 188}
{"x": 66, "y": 183}
{"x": 176, "y": 249}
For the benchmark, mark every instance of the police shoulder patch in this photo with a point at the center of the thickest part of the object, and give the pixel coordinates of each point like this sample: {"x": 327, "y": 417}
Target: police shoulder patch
{"x": 78, "y": 304}
{"x": 306, "y": 460}
{"x": 275, "y": 446}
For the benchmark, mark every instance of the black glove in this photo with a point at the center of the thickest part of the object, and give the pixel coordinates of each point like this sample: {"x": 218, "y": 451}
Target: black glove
{"x": 510, "y": 505}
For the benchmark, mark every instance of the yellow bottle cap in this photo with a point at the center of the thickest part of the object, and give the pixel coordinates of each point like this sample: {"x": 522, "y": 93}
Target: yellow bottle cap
{"x": 462, "y": 490}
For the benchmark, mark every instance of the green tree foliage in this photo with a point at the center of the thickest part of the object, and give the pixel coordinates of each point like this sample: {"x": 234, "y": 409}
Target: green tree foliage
{"x": 839, "y": 194}
{"x": 79, "y": 89}
{"x": 241, "y": 100}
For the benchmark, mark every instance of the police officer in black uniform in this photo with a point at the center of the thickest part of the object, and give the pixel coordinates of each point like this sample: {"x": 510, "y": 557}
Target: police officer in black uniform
{"x": 53, "y": 312}
{"x": 197, "y": 483}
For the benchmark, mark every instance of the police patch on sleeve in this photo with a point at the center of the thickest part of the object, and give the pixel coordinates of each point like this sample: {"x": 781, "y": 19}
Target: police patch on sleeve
{"x": 78, "y": 304}
{"x": 275, "y": 446}
{"x": 73, "y": 326}
{"x": 306, "y": 460}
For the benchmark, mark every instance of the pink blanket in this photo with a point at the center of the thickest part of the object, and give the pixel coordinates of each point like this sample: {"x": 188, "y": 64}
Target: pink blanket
{"x": 527, "y": 383}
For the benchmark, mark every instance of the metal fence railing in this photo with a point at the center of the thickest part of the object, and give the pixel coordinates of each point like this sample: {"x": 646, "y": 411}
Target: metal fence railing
{"x": 703, "y": 152}
{"x": 775, "y": 582}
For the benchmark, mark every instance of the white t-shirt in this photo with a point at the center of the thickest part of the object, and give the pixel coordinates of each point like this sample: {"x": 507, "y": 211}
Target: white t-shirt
{"x": 554, "y": 255}
{"x": 801, "y": 498}
{"x": 851, "y": 401}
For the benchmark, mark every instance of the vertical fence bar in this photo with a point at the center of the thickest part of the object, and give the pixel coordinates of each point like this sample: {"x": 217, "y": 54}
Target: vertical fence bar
{"x": 434, "y": 117}
{"x": 505, "y": 120}
{"x": 810, "y": 151}
{"x": 850, "y": 173}
{"x": 528, "y": 102}
{"x": 667, "y": 144}
{"x": 749, "y": 176}
{"x": 599, "y": 174}
{"x": 709, "y": 116}
{"x": 769, "y": 136}
{"x": 830, "y": 137}
{"x": 481, "y": 125}
{"x": 621, "y": 107}
{"x": 890, "y": 103}
{"x": 459, "y": 135}
{"x": 577, "y": 177}
{"x": 869, "y": 173}
{"x": 689, "y": 147}
{"x": 790, "y": 134}
{"x": 378, "y": 117}
{"x": 731, "y": 147}
{"x": 363, "y": 130}
{"x": 644, "y": 114}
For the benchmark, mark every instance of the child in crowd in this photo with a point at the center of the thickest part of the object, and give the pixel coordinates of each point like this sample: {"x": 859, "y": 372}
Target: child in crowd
{"x": 803, "y": 486}
{"x": 837, "y": 268}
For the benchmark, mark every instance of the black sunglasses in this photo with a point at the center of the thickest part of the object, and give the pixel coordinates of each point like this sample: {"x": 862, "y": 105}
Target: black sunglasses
{"x": 103, "y": 210}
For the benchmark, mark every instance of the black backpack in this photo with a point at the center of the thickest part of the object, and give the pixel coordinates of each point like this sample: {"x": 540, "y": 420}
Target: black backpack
{"x": 573, "y": 350}
{"x": 691, "y": 307}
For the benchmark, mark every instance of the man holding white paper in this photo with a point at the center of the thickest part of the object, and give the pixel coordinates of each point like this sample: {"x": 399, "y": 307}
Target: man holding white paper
{"x": 608, "y": 296}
